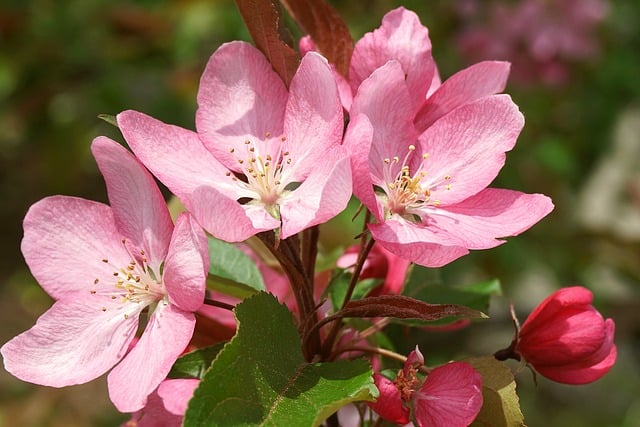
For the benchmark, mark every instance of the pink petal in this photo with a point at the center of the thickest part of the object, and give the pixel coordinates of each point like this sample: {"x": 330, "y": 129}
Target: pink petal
{"x": 65, "y": 241}
{"x": 178, "y": 158}
{"x": 148, "y": 363}
{"x": 176, "y": 394}
{"x": 74, "y": 342}
{"x": 173, "y": 154}
{"x": 401, "y": 37}
{"x": 577, "y": 374}
{"x": 313, "y": 119}
{"x": 187, "y": 265}
{"x": 324, "y": 194}
{"x": 427, "y": 246}
{"x": 547, "y": 310}
{"x": 451, "y": 396}
{"x": 389, "y": 404}
{"x": 154, "y": 414}
{"x": 466, "y": 86}
{"x": 384, "y": 99}
{"x": 358, "y": 140}
{"x": 140, "y": 211}
{"x": 493, "y": 213}
{"x": 226, "y": 219}
{"x": 468, "y": 146}
{"x": 240, "y": 98}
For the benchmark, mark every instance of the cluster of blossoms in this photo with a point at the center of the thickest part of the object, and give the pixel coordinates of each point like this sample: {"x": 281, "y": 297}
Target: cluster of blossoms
{"x": 274, "y": 161}
{"x": 541, "y": 38}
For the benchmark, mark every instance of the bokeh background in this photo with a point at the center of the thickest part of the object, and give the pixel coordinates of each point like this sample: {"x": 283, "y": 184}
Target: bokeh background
{"x": 575, "y": 76}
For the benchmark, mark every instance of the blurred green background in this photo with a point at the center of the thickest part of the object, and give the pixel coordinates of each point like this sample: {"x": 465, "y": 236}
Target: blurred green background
{"x": 64, "y": 62}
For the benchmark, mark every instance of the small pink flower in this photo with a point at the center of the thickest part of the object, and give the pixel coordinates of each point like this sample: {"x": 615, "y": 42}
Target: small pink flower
{"x": 450, "y": 396}
{"x": 566, "y": 339}
{"x": 103, "y": 266}
{"x": 265, "y": 157}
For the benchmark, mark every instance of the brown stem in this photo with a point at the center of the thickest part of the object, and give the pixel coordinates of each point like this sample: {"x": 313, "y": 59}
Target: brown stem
{"x": 362, "y": 257}
{"x": 214, "y": 303}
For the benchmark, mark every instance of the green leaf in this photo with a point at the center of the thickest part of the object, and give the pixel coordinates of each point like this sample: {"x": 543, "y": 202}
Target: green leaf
{"x": 109, "y": 119}
{"x": 501, "y": 406}
{"x": 339, "y": 284}
{"x": 260, "y": 378}
{"x": 476, "y": 295}
{"x": 232, "y": 271}
{"x": 195, "y": 363}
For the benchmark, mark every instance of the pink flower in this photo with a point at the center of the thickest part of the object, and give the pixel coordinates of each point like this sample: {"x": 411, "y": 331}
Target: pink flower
{"x": 566, "y": 339}
{"x": 166, "y": 406}
{"x": 103, "y": 266}
{"x": 380, "y": 264}
{"x": 264, "y": 157}
{"x": 450, "y": 396}
{"x": 427, "y": 190}
{"x": 541, "y": 38}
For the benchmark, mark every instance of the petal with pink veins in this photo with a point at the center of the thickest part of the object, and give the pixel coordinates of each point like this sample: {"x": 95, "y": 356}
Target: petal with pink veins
{"x": 324, "y": 194}
{"x": 240, "y": 98}
{"x": 466, "y": 86}
{"x": 465, "y": 149}
{"x": 139, "y": 209}
{"x": 403, "y": 38}
{"x": 187, "y": 264}
{"x": 451, "y": 396}
{"x": 65, "y": 241}
{"x": 176, "y": 394}
{"x": 313, "y": 120}
{"x": 491, "y": 214}
{"x": 427, "y": 246}
{"x": 148, "y": 363}
{"x": 74, "y": 342}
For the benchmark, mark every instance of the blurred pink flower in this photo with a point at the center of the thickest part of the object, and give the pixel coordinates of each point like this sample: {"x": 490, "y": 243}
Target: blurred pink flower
{"x": 265, "y": 157}
{"x": 380, "y": 264}
{"x": 566, "y": 339}
{"x": 541, "y": 38}
{"x": 103, "y": 266}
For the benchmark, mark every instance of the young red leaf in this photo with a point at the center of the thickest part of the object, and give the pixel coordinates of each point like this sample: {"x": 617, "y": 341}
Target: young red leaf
{"x": 262, "y": 19}
{"x": 403, "y": 307}
{"x": 327, "y": 29}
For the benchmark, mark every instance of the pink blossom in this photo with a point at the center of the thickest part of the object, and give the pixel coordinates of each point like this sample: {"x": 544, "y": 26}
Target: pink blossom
{"x": 265, "y": 157}
{"x": 541, "y": 38}
{"x": 428, "y": 191}
{"x": 103, "y": 266}
{"x": 566, "y": 339}
{"x": 450, "y": 396}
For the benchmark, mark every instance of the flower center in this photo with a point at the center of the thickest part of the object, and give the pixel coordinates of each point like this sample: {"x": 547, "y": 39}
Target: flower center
{"x": 134, "y": 283}
{"x": 262, "y": 175}
{"x": 409, "y": 194}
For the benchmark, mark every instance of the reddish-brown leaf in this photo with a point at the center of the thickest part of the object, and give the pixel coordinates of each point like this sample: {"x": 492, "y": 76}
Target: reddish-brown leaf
{"x": 262, "y": 18}
{"x": 327, "y": 29}
{"x": 402, "y": 307}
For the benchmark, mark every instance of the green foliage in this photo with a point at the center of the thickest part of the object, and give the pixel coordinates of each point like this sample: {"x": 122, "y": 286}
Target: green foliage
{"x": 260, "y": 378}
{"x": 195, "y": 363}
{"x": 501, "y": 406}
{"x": 231, "y": 271}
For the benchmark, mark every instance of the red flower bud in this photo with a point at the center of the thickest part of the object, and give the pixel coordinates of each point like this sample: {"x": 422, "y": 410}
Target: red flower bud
{"x": 567, "y": 340}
